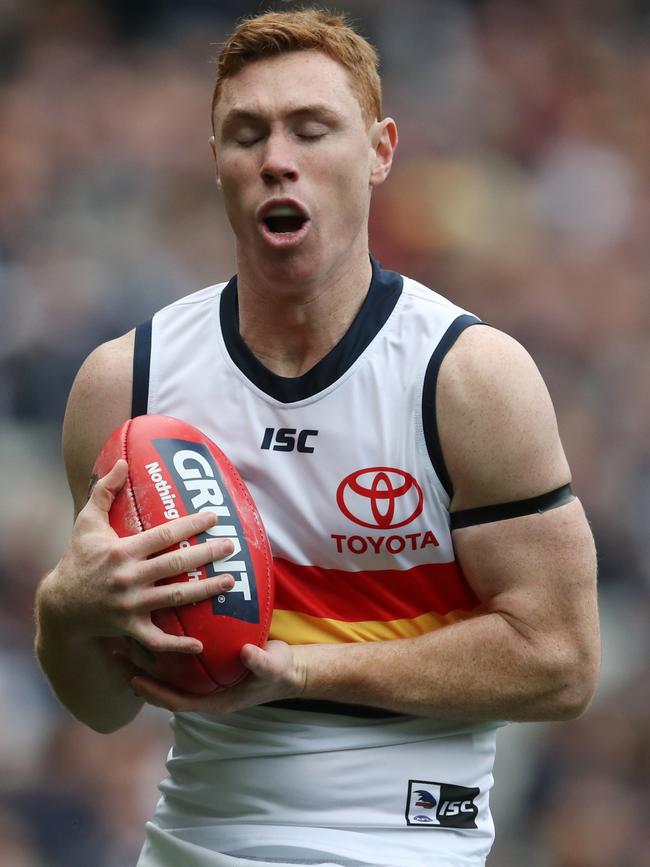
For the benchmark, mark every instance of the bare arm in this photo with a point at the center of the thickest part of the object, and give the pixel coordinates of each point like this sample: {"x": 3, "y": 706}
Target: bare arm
{"x": 532, "y": 652}
{"x": 102, "y": 590}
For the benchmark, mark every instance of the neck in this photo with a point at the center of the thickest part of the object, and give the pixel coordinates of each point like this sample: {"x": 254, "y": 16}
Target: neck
{"x": 291, "y": 322}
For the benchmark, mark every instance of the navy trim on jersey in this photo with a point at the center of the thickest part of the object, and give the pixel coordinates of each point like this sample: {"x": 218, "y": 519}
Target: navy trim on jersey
{"x": 322, "y": 706}
{"x": 429, "y": 414}
{"x": 383, "y": 294}
{"x": 516, "y": 509}
{"x": 141, "y": 366}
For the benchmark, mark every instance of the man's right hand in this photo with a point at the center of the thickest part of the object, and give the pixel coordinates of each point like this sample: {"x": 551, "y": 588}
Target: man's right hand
{"x": 105, "y": 586}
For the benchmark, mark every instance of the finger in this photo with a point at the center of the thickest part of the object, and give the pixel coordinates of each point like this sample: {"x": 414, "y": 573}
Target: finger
{"x": 160, "y": 538}
{"x": 255, "y": 659}
{"x": 273, "y": 665}
{"x": 155, "y": 640}
{"x": 186, "y": 592}
{"x": 183, "y": 560}
{"x": 107, "y": 488}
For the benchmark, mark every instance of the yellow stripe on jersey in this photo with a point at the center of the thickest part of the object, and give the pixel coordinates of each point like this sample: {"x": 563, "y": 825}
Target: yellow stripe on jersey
{"x": 296, "y": 628}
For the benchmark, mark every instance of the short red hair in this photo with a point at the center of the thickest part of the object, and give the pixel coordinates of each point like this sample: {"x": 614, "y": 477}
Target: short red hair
{"x": 275, "y": 33}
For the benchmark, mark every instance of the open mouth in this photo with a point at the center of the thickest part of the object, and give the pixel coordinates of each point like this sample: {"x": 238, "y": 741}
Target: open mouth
{"x": 284, "y": 220}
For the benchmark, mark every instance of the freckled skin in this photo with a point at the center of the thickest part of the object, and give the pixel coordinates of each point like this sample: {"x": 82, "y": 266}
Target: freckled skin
{"x": 331, "y": 174}
{"x": 303, "y": 137}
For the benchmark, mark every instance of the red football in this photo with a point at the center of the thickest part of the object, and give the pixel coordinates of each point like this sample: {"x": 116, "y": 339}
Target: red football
{"x": 175, "y": 470}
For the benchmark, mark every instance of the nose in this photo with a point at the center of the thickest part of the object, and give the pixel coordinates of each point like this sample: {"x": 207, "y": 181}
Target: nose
{"x": 278, "y": 162}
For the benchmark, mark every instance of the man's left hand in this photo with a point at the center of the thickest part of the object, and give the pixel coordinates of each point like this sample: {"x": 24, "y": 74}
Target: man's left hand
{"x": 274, "y": 674}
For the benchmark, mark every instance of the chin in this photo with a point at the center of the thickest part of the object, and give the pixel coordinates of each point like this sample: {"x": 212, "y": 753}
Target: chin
{"x": 291, "y": 266}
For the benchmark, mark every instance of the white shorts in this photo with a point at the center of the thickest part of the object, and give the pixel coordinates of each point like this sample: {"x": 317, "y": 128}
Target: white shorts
{"x": 270, "y": 786}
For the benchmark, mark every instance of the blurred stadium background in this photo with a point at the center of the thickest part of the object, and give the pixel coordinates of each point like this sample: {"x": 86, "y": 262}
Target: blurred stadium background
{"x": 521, "y": 190}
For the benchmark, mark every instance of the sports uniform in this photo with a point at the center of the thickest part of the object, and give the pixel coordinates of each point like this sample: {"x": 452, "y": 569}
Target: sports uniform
{"x": 345, "y": 466}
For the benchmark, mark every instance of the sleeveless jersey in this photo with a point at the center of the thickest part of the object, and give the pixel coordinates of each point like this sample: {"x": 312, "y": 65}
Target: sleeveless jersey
{"x": 345, "y": 466}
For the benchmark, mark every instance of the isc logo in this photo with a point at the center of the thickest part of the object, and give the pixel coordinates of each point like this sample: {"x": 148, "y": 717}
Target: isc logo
{"x": 453, "y": 808}
{"x": 288, "y": 439}
{"x": 441, "y": 805}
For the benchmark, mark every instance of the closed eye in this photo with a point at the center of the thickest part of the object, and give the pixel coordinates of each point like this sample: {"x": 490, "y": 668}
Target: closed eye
{"x": 310, "y": 136}
{"x": 311, "y": 130}
{"x": 248, "y": 142}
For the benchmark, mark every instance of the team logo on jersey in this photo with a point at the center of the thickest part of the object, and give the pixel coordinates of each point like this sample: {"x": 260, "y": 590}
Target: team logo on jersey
{"x": 381, "y": 498}
{"x": 441, "y": 805}
{"x": 288, "y": 439}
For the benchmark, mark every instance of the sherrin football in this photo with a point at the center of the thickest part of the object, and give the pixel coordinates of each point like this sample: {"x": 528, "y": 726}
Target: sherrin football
{"x": 176, "y": 470}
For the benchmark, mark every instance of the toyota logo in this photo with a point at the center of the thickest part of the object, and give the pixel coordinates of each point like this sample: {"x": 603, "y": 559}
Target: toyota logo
{"x": 381, "y": 498}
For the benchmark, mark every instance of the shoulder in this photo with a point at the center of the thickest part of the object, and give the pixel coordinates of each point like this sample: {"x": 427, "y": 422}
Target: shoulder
{"x": 193, "y": 302}
{"x": 496, "y": 422}
{"x": 100, "y": 400}
{"x": 429, "y": 299}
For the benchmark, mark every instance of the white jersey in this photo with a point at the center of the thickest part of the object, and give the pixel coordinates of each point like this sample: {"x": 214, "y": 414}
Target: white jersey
{"x": 345, "y": 466}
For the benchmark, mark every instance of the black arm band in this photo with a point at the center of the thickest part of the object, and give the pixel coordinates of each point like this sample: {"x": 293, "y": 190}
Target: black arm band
{"x": 504, "y": 511}
{"x": 141, "y": 364}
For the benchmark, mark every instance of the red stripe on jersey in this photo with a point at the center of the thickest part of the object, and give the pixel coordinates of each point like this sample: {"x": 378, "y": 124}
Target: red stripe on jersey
{"x": 385, "y": 594}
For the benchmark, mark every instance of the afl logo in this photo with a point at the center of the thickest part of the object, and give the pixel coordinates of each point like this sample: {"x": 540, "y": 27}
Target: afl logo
{"x": 381, "y": 498}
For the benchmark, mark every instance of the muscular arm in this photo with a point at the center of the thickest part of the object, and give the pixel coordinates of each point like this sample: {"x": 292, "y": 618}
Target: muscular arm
{"x": 532, "y": 652}
{"x": 102, "y": 590}
{"x": 79, "y": 666}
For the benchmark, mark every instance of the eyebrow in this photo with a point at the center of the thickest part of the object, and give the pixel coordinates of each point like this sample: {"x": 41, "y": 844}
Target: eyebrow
{"x": 316, "y": 110}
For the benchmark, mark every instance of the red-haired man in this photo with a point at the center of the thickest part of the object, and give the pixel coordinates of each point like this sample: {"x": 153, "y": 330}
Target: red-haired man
{"x": 435, "y": 573}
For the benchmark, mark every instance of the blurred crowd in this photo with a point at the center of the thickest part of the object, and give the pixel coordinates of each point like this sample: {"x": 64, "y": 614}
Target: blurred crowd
{"x": 521, "y": 190}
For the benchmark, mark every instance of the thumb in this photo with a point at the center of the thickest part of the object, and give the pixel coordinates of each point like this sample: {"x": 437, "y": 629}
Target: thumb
{"x": 255, "y": 659}
{"x": 269, "y": 662}
{"x": 103, "y": 492}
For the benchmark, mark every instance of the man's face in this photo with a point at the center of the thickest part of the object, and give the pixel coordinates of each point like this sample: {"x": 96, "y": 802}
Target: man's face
{"x": 296, "y": 163}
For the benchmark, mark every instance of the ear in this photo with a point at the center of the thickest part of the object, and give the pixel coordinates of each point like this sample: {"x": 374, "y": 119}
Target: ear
{"x": 384, "y": 140}
{"x": 213, "y": 148}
